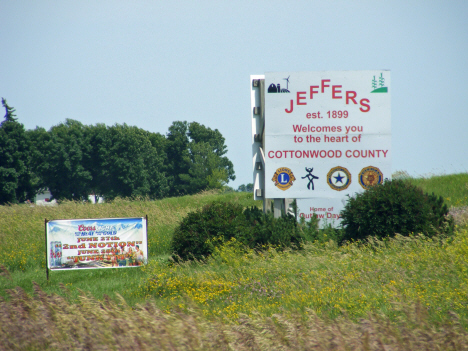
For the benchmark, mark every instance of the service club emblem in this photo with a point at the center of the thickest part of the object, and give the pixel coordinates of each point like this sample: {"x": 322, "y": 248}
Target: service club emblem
{"x": 370, "y": 176}
{"x": 283, "y": 178}
{"x": 339, "y": 178}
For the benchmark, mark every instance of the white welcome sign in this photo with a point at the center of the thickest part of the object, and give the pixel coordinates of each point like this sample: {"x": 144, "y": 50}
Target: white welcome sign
{"x": 327, "y": 135}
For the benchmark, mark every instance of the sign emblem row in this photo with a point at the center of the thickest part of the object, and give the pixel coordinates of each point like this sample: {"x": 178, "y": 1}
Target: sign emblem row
{"x": 338, "y": 178}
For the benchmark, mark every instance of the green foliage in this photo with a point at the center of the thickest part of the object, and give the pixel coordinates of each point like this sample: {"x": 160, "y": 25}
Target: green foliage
{"x": 64, "y": 166}
{"x": 313, "y": 234}
{"x": 198, "y": 233}
{"x": 16, "y": 184}
{"x": 452, "y": 187}
{"x": 246, "y": 187}
{"x": 9, "y": 112}
{"x": 202, "y": 231}
{"x": 127, "y": 162}
{"x": 73, "y": 160}
{"x": 279, "y": 232}
{"x": 394, "y": 207}
{"x": 196, "y": 159}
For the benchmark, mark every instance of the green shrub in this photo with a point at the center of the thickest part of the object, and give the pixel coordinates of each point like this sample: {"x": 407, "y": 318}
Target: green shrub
{"x": 197, "y": 234}
{"x": 323, "y": 235}
{"x": 267, "y": 230}
{"x": 202, "y": 231}
{"x": 394, "y": 207}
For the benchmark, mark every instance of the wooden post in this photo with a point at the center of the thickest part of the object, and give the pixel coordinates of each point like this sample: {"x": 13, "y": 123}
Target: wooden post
{"x": 46, "y": 249}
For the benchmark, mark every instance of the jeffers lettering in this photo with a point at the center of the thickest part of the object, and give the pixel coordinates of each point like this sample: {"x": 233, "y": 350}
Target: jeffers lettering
{"x": 336, "y": 92}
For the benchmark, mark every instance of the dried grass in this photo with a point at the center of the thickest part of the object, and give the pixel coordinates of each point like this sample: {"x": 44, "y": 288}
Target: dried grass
{"x": 49, "y": 322}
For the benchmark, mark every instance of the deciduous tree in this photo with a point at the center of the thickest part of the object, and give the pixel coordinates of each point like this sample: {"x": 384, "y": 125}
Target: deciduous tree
{"x": 196, "y": 158}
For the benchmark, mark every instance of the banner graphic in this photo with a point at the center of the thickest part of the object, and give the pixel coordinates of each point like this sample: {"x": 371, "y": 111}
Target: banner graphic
{"x": 96, "y": 243}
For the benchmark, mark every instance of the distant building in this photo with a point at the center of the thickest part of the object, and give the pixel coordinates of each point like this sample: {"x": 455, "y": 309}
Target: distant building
{"x": 92, "y": 198}
{"x": 43, "y": 199}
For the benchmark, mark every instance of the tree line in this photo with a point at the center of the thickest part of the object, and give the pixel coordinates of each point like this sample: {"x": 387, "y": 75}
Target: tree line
{"x": 74, "y": 160}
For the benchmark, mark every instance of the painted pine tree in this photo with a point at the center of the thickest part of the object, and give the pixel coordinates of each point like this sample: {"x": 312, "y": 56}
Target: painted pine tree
{"x": 381, "y": 80}
{"x": 374, "y": 83}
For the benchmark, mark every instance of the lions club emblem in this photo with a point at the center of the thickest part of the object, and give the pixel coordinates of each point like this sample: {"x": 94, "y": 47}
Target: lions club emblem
{"x": 283, "y": 178}
{"x": 370, "y": 176}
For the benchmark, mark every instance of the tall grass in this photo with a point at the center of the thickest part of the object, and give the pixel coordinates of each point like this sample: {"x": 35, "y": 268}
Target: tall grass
{"x": 398, "y": 294}
{"x": 326, "y": 280}
{"x": 50, "y": 322}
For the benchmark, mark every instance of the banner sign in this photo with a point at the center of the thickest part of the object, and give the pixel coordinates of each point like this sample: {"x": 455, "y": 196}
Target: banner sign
{"x": 96, "y": 243}
{"x": 327, "y": 135}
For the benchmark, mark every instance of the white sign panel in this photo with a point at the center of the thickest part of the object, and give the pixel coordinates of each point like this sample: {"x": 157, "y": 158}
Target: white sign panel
{"x": 327, "y": 210}
{"x": 327, "y": 134}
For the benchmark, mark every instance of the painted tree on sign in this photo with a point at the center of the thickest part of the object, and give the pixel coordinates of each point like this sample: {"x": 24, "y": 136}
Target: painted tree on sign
{"x": 381, "y": 80}
{"x": 374, "y": 83}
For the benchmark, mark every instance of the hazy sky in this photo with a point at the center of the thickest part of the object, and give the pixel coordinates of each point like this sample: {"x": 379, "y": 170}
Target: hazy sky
{"x": 149, "y": 63}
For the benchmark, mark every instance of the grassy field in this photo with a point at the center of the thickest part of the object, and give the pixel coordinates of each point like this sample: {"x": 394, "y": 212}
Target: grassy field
{"x": 400, "y": 293}
{"x": 453, "y": 188}
{"x": 23, "y": 240}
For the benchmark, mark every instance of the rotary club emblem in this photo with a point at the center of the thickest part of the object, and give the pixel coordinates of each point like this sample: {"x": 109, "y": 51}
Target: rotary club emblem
{"x": 283, "y": 178}
{"x": 370, "y": 176}
{"x": 339, "y": 178}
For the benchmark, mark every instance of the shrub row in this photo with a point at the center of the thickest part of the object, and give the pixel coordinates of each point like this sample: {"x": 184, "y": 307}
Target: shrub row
{"x": 381, "y": 211}
{"x": 203, "y": 230}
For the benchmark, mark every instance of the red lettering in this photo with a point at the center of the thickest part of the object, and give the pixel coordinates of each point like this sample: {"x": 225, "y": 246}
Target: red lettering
{"x": 312, "y": 91}
{"x": 351, "y": 95}
{"x": 323, "y": 84}
{"x": 336, "y": 91}
{"x": 299, "y": 98}
{"x": 290, "y": 109}
{"x": 82, "y": 228}
{"x": 297, "y": 128}
{"x": 363, "y": 103}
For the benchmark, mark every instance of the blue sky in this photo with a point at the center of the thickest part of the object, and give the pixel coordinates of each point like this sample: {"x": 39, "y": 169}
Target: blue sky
{"x": 149, "y": 63}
